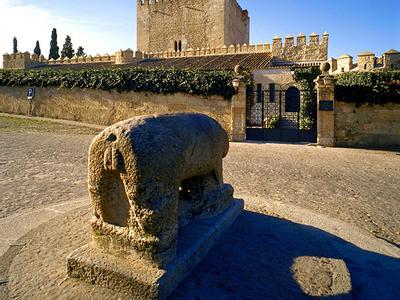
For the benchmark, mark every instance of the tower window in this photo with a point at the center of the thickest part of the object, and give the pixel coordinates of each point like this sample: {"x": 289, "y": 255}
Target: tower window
{"x": 176, "y": 46}
{"x": 180, "y": 46}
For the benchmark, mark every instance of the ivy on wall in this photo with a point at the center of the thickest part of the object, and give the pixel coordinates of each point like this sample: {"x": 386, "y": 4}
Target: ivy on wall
{"x": 166, "y": 81}
{"x": 368, "y": 87}
{"x": 308, "y": 111}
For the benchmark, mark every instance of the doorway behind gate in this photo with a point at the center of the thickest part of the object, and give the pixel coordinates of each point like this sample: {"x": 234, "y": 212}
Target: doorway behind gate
{"x": 274, "y": 115}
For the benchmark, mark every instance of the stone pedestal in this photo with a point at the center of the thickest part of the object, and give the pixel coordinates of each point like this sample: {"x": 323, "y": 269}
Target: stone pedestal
{"x": 142, "y": 280}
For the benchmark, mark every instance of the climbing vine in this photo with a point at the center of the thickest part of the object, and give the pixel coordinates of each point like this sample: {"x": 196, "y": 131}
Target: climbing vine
{"x": 308, "y": 111}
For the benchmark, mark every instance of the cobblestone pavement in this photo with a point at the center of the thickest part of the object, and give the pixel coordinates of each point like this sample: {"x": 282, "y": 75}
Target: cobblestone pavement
{"x": 361, "y": 187}
{"x": 39, "y": 167}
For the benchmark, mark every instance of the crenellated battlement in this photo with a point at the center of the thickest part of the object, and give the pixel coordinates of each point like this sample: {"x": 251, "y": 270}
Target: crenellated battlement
{"x": 366, "y": 61}
{"x": 17, "y": 60}
{"x": 315, "y": 49}
{"x": 224, "y": 50}
{"x": 150, "y": 2}
{"x": 26, "y": 60}
{"x": 83, "y": 59}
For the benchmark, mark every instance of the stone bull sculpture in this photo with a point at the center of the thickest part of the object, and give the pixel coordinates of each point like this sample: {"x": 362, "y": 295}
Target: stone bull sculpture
{"x": 149, "y": 175}
{"x": 152, "y": 180}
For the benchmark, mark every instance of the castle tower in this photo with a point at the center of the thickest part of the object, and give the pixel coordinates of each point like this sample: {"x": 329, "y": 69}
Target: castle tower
{"x": 177, "y": 25}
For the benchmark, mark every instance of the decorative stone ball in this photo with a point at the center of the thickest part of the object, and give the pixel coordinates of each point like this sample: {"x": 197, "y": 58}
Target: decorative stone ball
{"x": 238, "y": 69}
{"x": 325, "y": 67}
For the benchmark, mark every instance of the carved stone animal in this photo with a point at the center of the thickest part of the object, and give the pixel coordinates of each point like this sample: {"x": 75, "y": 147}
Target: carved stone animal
{"x": 150, "y": 176}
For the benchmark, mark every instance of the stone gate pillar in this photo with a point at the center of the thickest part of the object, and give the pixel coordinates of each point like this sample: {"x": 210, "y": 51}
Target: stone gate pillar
{"x": 238, "y": 108}
{"x": 325, "y": 108}
{"x": 238, "y": 111}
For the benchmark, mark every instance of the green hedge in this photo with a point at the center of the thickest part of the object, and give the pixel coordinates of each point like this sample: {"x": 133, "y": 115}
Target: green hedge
{"x": 368, "y": 87}
{"x": 130, "y": 79}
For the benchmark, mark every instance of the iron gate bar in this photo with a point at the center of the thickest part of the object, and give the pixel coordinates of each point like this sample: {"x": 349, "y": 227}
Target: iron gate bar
{"x": 265, "y": 113}
{"x": 262, "y": 109}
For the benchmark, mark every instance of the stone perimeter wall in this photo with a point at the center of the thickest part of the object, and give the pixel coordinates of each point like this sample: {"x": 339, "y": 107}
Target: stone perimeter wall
{"x": 106, "y": 108}
{"x": 376, "y": 126}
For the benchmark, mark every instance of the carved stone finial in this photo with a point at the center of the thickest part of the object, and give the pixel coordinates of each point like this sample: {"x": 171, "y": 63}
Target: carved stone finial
{"x": 238, "y": 69}
{"x": 325, "y": 67}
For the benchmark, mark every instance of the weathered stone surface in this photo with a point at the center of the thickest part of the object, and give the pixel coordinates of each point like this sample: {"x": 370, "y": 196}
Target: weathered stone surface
{"x": 367, "y": 125}
{"x": 321, "y": 276}
{"x": 141, "y": 280}
{"x": 150, "y": 177}
{"x": 107, "y": 108}
{"x": 190, "y": 25}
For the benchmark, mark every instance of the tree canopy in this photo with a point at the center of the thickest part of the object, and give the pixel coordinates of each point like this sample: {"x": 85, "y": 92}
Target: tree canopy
{"x": 37, "y": 50}
{"x": 80, "y": 51}
{"x": 15, "y": 45}
{"x": 67, "y": 50}
{"x": 53, "y": 45}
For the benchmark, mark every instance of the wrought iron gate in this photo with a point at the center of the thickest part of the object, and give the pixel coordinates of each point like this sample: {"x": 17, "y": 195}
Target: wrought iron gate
{"x": 274, "y": 115}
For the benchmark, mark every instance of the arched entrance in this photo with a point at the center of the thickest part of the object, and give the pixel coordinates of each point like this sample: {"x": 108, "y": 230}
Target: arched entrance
{"x": 292, "y": 100}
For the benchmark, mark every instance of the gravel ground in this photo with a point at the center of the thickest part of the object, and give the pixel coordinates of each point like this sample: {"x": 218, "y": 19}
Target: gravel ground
{"x": 46, "y": 164}
{"x": 361, "y": 187}
{"x": 262, "y": 256}
{"x": 259, "y": 257}
{"x": 41, "y": 163}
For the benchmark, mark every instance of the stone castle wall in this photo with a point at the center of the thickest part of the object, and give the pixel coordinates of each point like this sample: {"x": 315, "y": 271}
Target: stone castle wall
{"x": 314, "y": 50}
{"x": 190, "y": 23}
{"x": 106, "y": 108}
{"x": 237, "y": 25}
{"x": 26, "y": 60}
{"x": 17, "y": 61}
{"x": 376, "y": 126}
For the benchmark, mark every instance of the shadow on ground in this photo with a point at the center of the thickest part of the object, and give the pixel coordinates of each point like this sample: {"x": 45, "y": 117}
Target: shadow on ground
{"x": 253, "y": 260}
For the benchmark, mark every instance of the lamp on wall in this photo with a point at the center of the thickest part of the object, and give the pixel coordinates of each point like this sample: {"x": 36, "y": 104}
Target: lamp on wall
{"x": 236, "y": 83}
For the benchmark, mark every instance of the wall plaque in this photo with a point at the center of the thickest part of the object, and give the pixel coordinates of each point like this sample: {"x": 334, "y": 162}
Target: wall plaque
{"x": 326, "y": 105}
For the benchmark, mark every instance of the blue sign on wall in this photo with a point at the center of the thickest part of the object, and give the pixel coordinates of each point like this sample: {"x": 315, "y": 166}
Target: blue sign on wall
{"x": 30, "y": 94}
{"x": 326, "y": 105}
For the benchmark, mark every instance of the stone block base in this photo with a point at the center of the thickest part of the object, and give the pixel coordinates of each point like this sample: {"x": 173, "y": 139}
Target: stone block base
{"x": 142, "y": 280}
{"x": 326, "y": 142}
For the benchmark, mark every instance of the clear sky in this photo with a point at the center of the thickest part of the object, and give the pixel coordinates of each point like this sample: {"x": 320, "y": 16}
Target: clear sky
{"x": 106, "y": 26}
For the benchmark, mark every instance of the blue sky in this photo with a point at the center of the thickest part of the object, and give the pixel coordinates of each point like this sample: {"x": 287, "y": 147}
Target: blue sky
{"x": 106, "y": 26}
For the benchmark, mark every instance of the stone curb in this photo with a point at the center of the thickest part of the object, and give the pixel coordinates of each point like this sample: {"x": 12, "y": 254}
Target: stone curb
{"x": 60, "y": 121}
{"x": 16, "y": 226}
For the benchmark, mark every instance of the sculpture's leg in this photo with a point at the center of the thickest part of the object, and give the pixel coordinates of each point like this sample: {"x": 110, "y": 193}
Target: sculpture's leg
{"x": 157, "y": 219}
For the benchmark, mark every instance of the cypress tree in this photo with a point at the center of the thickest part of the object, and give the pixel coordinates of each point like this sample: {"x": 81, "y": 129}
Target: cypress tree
{"x": 67, "y": 50}
{"x": 37, "y": 50}
{"x": 15, "y": 45}
{"x": 53, "y": 45}
{"x": 80, "y": 51}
